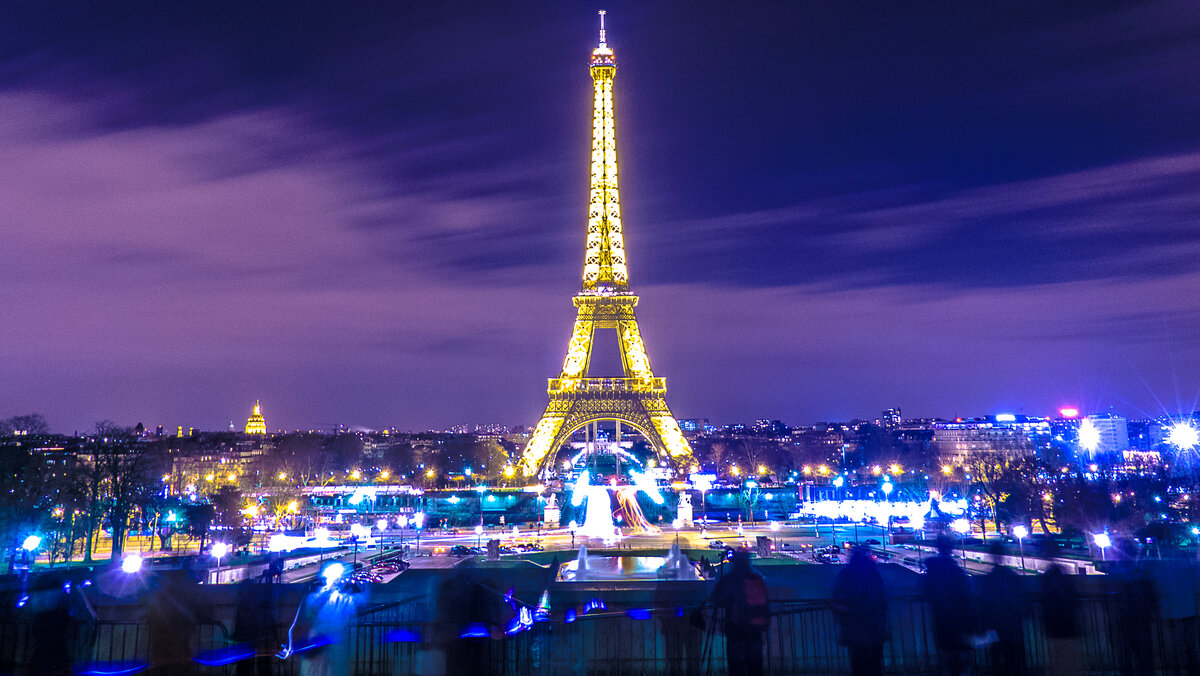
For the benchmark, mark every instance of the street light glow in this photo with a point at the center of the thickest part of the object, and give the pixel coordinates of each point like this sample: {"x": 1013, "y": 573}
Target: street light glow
{"x": 131, "y": 564}
{"x": 1020, "y": 532}
{"x": 219, "y": 550}
{"x": 1102, "y": 540}
{"x": 1183, "y": 436}
{"x": 1089, "y": 436}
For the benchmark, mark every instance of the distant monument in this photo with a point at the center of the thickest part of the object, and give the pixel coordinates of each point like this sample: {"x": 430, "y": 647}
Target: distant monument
{"x": 552, "y": 514}
{"x": 256, "y": 424}
{"x": 684, "y": 514}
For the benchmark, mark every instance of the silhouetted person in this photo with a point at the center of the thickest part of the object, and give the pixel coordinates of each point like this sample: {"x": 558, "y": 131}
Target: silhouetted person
{"x": 1177, "y": 585}
{"x": 1134, "y": 610}
{"x": 948, "y": 592}
{"x": 860, "y": 606}
{"x": 465, "y": 623}
{"x": 674, "y": 606}
{"x": 171, "y": 622}
{"x": 742, "y": 596}
{"x": 1002, "y": 609}
{"x": 1060, "y": 617}
{"x": 51, "y": 627}
{"x": 254, "y": 625}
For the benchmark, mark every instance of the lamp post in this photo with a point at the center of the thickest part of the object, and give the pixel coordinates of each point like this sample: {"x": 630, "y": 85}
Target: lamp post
{"x": 419, "y": 522}
{"x": 219, "y": 550}
{"x": 381, "y": 525}
{"x": 775, "y": 531}
{"x": 1020, "y": 532}
{"x": 1103, "y": 541}
{"x": 676, "y": 524}
{"x": 571, "y": 527}
{"x": 887, "y": 497}
{"x": 963, "y": 527}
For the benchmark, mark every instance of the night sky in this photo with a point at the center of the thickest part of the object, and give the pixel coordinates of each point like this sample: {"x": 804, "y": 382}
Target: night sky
{"x": 373, "y": 213}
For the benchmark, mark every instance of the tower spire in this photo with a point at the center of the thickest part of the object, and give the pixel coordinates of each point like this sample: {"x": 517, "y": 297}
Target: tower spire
{"x": 604, "y": 261}
{"x": 579, "y": 398}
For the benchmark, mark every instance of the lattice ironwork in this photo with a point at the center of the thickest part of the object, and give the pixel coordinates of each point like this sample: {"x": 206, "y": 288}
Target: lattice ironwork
{"x": 638, "y": 399}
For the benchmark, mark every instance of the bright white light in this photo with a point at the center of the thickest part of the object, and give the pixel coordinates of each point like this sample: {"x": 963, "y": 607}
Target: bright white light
{"x": 887, "y": 487}
{"x": 131, "y": 564}
{"x": 419, "y": 519}
{"x": 1183, "y": 436}
{"x": 572, "y": 526}
{"x": 31, "y": 543}
{"x": 962, "y": 526}
{"x": 1005, "y": 417}
{"x": 381, "y": 524}
{"x": 478, "y": 530}
{"x": 1089, "y": 436}
{"x": 775, "y": 525}
{"x": 677, "y": 524}
{"x": 1020, "y": 532}
{"x": 332, "y": 573}
{"x": 703, "y": 482}
{"x": 839, "y": 481}
{"x": 219, "y": 550}
{"x": 580, "y": 490}
{"x": 647, "y": 484}
{"x": 1102, "y": 540}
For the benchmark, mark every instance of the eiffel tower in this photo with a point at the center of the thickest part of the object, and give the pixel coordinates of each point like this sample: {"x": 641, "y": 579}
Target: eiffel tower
{"x": 639, "y": 398}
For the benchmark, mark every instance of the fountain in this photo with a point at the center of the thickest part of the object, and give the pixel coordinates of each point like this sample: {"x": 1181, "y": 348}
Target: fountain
{"x": 677, "y": 566}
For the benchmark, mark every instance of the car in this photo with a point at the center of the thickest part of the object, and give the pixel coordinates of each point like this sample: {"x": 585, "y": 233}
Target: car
{"x": 461, "y": 550}
{"x": 871, "y": 541}
{"x": 716, "y": 544}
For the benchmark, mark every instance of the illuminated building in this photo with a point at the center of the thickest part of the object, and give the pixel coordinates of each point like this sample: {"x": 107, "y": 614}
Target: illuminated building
{"x": 638, "y": 399}
{"x": 891, "y": 418}
{"x": 1106, "y": 433}
{"x": 256, "y": 424}
{"x": 1005, "y": 434}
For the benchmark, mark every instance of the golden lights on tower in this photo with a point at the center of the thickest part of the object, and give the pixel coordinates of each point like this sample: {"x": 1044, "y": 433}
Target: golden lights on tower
{"x": 256, "y": 424}
{"x": 604, "y": 302}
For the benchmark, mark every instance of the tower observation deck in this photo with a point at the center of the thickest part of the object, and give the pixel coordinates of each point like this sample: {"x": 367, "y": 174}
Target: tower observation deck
{"x": 638, "y": 398}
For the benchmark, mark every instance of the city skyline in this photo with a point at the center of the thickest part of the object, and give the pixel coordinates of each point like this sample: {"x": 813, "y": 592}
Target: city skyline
{"x": 372, "y": 216}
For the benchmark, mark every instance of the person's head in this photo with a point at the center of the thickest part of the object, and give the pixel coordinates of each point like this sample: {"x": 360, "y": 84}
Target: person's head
{"x": 996, "y": 550}
{"x": 860, "y": 556}
{"x": 945, "y": 545}
{"x": 740, "y": 559}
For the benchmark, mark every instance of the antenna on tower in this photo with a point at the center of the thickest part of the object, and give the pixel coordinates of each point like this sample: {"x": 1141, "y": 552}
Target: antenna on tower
{"x": 602, "y": 27}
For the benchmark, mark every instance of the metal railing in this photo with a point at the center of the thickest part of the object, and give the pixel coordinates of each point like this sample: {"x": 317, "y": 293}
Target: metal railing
{"x": 407, "y": 638}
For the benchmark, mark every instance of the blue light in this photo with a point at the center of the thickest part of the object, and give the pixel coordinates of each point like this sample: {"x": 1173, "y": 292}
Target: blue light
{"x": 402, "y": 636}
{"x": 638, "y": 613}
{"x": 221, "y": 657}
{"x": 594, "y": 604}
{"x": 570, "y": 616}
{"x": 475, "y": 630}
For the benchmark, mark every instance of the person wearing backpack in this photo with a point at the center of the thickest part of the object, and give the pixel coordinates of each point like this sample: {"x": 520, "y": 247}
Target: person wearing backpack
{"x": 741, "y": 595}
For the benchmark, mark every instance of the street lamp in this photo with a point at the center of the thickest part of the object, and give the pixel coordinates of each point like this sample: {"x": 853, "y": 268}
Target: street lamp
{"x": 419, "y": 523}
{"x": 963, "y": 527}
{"x": 887, "y": 497}
{"x": 571, "y": 527}
{"x": 478, "y": 535}
{"x": 1020, "y": 533}
{"x": 775, "y": 530}
{"x": 31, "y": 543}
{"x": 676, "y": 524}
{"x": 219, "y": 550}
{"x": 382, "y": 526}
{"x": 1103, "y": 541}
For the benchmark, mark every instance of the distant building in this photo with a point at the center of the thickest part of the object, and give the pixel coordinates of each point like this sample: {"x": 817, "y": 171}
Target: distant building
{"x": 256, "y": 424}
{"x": 693, "y": 424}
{"x": 1101, "y": 434}
{"x": 891, "y": 418}
{"x": 1011, "y": 436}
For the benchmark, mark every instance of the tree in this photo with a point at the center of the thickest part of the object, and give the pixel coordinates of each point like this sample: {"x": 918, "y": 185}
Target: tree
{"x": 199, "y": 519}
{"x": 126, "y": 477}
{"x": 30, "y": 423}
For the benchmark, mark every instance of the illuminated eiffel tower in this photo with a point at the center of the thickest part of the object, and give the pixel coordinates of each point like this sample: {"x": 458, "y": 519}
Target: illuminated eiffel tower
{"x": 639, "y": 398}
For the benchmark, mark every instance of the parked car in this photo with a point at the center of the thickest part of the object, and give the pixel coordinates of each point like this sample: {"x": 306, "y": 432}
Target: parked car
{"x": 461, "y": 550}
{"x": 716, "y": 544}
{"x": 871, "y": 541}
